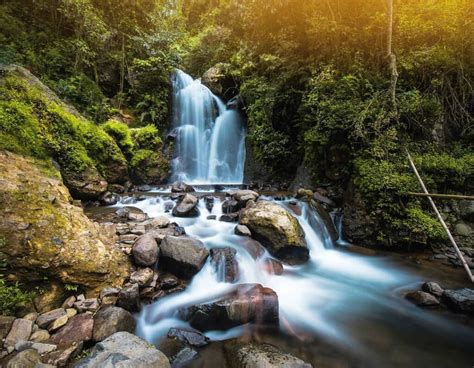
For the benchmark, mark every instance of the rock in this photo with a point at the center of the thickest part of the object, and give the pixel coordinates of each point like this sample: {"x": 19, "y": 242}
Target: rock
{"x": 304, "y": 193}
{"x": 248, "y": 303}
{"x": 180, "y": 187}
{"x": 223, "y": 260}
{"x": 432, "y": 288}
{"x": 47, "y": 318}
{"x": 51, "y": 297}
{"x": 20, "y": 331}
{"x": 109, "y": 199}
{"x": 318, "y": 197}
{"x": 110, "y": 320}
{"x": 142, "y": 277}
{"x": 209, "y": 201}
{"x": 274, "y": 267}
{"x": 29, "y": 358}
{"x": 230, "y": 206}
{"x": 60, "y": 236}
{"x": 38, "y": 346}
{"x": 461, "y": 300}
{"x": 244, "y": 196}
{"x": 6, "y": 323}
{"x": 253, "y": 247}
{"x": 31, "y": 316}
{"x": 69, "y": 302}
{"x": 40, "y": 336}
{"x": 182, "y": 256}
{"x": 242, "y": 230}
{"x": 229, "y": 217}
{"x": 212, "y": 217}
{"x": 326, "y": 219}
{"x": 109, "y": 296}
{"x": 183, "y": 357}
{"x": 260, "y": 355}
{"x": 422, "y": 299}
{"x": 62, "y": 357}
{"x": 277, "y": 230}
{"x": 78, "y": 328}
{"x": 462, "y": 229}
{"x": 137, "y": 216}
{"x": 124, "y": 350}
{"x": 168, "y": 282}
{"x": 60, "y": 322}
{"x": 129, "y": 298}
{"x": 186, "y": 207}
{"x": 188, "y": 337}
{"x": 145, "y": 251}
{"x": 87, "y": 305}
{"x": 159, "y": 222}
{"x": 219, "y": 81}
{"x": 71, "y": 312}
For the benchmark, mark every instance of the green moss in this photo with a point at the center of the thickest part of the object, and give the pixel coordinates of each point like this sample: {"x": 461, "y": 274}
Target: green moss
{"x": 147, "y": 137}
{"x": 121, "y": 134}
{"x": 12, "y": 298}
{"x": 421, "y": 224}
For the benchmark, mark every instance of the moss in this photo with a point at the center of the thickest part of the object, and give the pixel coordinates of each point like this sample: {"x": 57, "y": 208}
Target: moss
{"x": 147, "y": 137}
{"x": 121, "y": 134}
{"x": 149, "y": 167}
{"x": 12, "y": 298}
{"x": 421, "y": 224}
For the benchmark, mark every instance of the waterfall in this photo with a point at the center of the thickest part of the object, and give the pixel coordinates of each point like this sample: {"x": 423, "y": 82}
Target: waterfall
{"x": 210, "y": 138}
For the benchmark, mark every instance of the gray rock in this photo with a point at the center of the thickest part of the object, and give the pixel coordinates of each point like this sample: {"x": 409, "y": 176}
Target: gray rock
{"x": 461, "y": 300}
{"x": 186, "y": 207}
{"x": 110, "y": 320}
{"x": 422, "y": 299}
{"x": 20, "y": 331}
{"x": 87, "y": 305}
{"x": 69, "y": 302}
{"x": 45, "y": 319}
{"x": 5, "y": 325}
{"x": 26, "y": 359}
{"x": 180, "y": 187}
{"x": 243, "y": 196}
{"x": 31, "y": 316}
{"x": 261, "y": 355}
{"x": 168, "y": 281}
{"x": 185, "y": 356}
{"x": 145, "y": 251}
{"x": 242, "y": 230}
{"x": 225, "y": 263}
{"x": 462, "y": 229}
{"x": 188, "y": 337}
{"x": 182, "y": 256}
{"x": 142, "y": 277}
{"x": 40, "y": 336}
{"x": 160, "y": 222}
{"x": 129, "y": 298}
{"x": 432, "y": 288}
{"x": 124, "y": 350}
{"x": 230, "y": 206}
{"x": 38, "y": 346}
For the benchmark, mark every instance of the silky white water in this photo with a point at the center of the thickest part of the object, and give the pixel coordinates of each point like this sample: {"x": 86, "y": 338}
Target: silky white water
{"x": 210, "y": 138}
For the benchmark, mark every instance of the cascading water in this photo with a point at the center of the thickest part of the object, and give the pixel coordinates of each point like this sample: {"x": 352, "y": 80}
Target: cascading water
{"x": 210, "y": 138}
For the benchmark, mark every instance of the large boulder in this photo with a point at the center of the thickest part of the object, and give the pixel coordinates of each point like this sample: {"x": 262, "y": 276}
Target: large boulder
{"x": 28, "y": 358}
{"x": 461, "y": 300}
{"x": 219, "y": 81}
{"x": 124, "y": 350}
{"x": 20, "y": 331}
{"x": 260, "y": 355}
{"x": 145, "y": 250}
{"x": 277, "y": 230}
{"x": 47, "y": 236}
{"x": 186, "y": 207}
{"x": 182, "y": 256}
{"x": 78, "y": 328}
{"x": 243, "y": 196}
{"x": 110, "y": 320}
{"x": 247, "y": 303}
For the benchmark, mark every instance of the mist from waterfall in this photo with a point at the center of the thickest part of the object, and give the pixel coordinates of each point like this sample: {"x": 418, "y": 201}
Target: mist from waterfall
{"x": 210, "y": 138}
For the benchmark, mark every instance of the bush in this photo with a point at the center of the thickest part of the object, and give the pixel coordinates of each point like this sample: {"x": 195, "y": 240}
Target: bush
{"x": 12, "y": 298}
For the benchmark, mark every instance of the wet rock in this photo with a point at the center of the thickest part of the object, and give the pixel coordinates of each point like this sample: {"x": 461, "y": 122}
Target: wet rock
{"x": 142, "y": 277}
{"x": 326, "y": 219}
{"x": 20, "y": 331}
{"x": 209, "y": 201}
{"x": 110, "y": 320}
{"x": 87, "y": 305}
{"x": 129, "y": 298}
{"x": 109, "y": 199}
{"x": 188, "y": 337}
{"x": 230, "y": 206}
{"x": 6, "y": 323}
{"x": 168, "y": 282}
{"x": 229, "y": 217}
{"x": 432, "y": 288}
{"x": 223, "y": 260}
{"x": 184, "y": 357}
{"x": 260, "y": 355}
{"x": 78, "y": 328}
{"x": 123, "y": 349}
{"x": 145, "y": 251}
{"x": 304, "y": 193}
{"x": 243, "y": 196}
{"x": 242, "y": 230}
{"x": 422, "y": 299}
{"x": 274, "y": 267}
{"x": 253, "y": 247}
{"x": 186, "y": 207}
{"x": 29, "y": 358}
{"x": 180, "y": 187}
{"x": 159, "y": 222}
{"x": 461, "y": 300}
{"x": 277, "y": 230}
{"x": 182, "y": 256}
{"x": 40, "y": 336}
{"x": 248, "y": 303}
{"x": 212, "y": 217}
{"x": 293, "y": 205}
{"x": 47, "y": 318}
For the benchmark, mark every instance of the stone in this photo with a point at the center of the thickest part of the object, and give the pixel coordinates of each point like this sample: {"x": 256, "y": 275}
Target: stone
{"x": 241, "y": 355}
{"x": 124, "y": 350}
{"x": 180, "y": 187}
{"x": 230, "y": 206}
{"x": 242, "y": 230}
{"x": 462, "y": 229}
{"x": 69, "y": 302}
{"x": 145, "y": 251}
{"x": 209, "y": 201}
{"x": 142, "y": 277}
{"x": 432, "y": 288}
{"x": 277, "y": 230}
{"x": 225, "y": 263}
{"x": 188, "y": 337}
{"x": 229, "y": 217}
{"x": 109, "y": 199}
{"x": 318, "y": 197}
{"x": 38, "y": 346}
{"x": 184, "y": 357}
{"x": 6, "y": 323}
{"x": 422, "y": 299}
{"x": 40, "y": 336}
{"x": 248, "y": 303}
{"x": 186, "y": 207}
{"x": 29, "y": 358}
{"x": 243, "y": 196}
{"x": 168, "y": 282}
{"x": 304, "y": 193}
{"x": 110, "y": 320}
{"x": 31, "y": 316}
{"x": 274, "y": 267}
{"x": 52, "y": 245}
{"x": 211, "y": 217}
{"x": 108, "y": 296}
{"x": 71, "y": 312}
{"x": 182, "y": 256}
{"x": 328, "y": 223}
{"x": 129, "y": 298}
{"x": 20, "y": 331}
{"x": 160, "y": 222}
{"x": 78, "y": 328}
{"x": 87, "y": 305}
{"x": 461, "y": 300}
{"x": 60, "y": 358}
{"x": 137, "y": 215}
{"x": 60, "y": 322}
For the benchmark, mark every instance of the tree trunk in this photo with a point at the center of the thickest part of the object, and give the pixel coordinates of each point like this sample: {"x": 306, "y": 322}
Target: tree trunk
{"x": 122, "y": 73}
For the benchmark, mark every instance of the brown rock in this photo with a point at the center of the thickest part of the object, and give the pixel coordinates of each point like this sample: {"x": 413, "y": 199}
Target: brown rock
{"x": 78, "y": 328}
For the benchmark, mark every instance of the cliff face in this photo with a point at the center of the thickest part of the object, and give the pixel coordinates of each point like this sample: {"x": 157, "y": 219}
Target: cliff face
{"x": 45, "y": 236}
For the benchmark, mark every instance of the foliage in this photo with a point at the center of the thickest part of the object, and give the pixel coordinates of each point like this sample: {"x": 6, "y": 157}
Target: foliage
{"x": 121, "y": 134}
{"x": 12, "y": 298}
